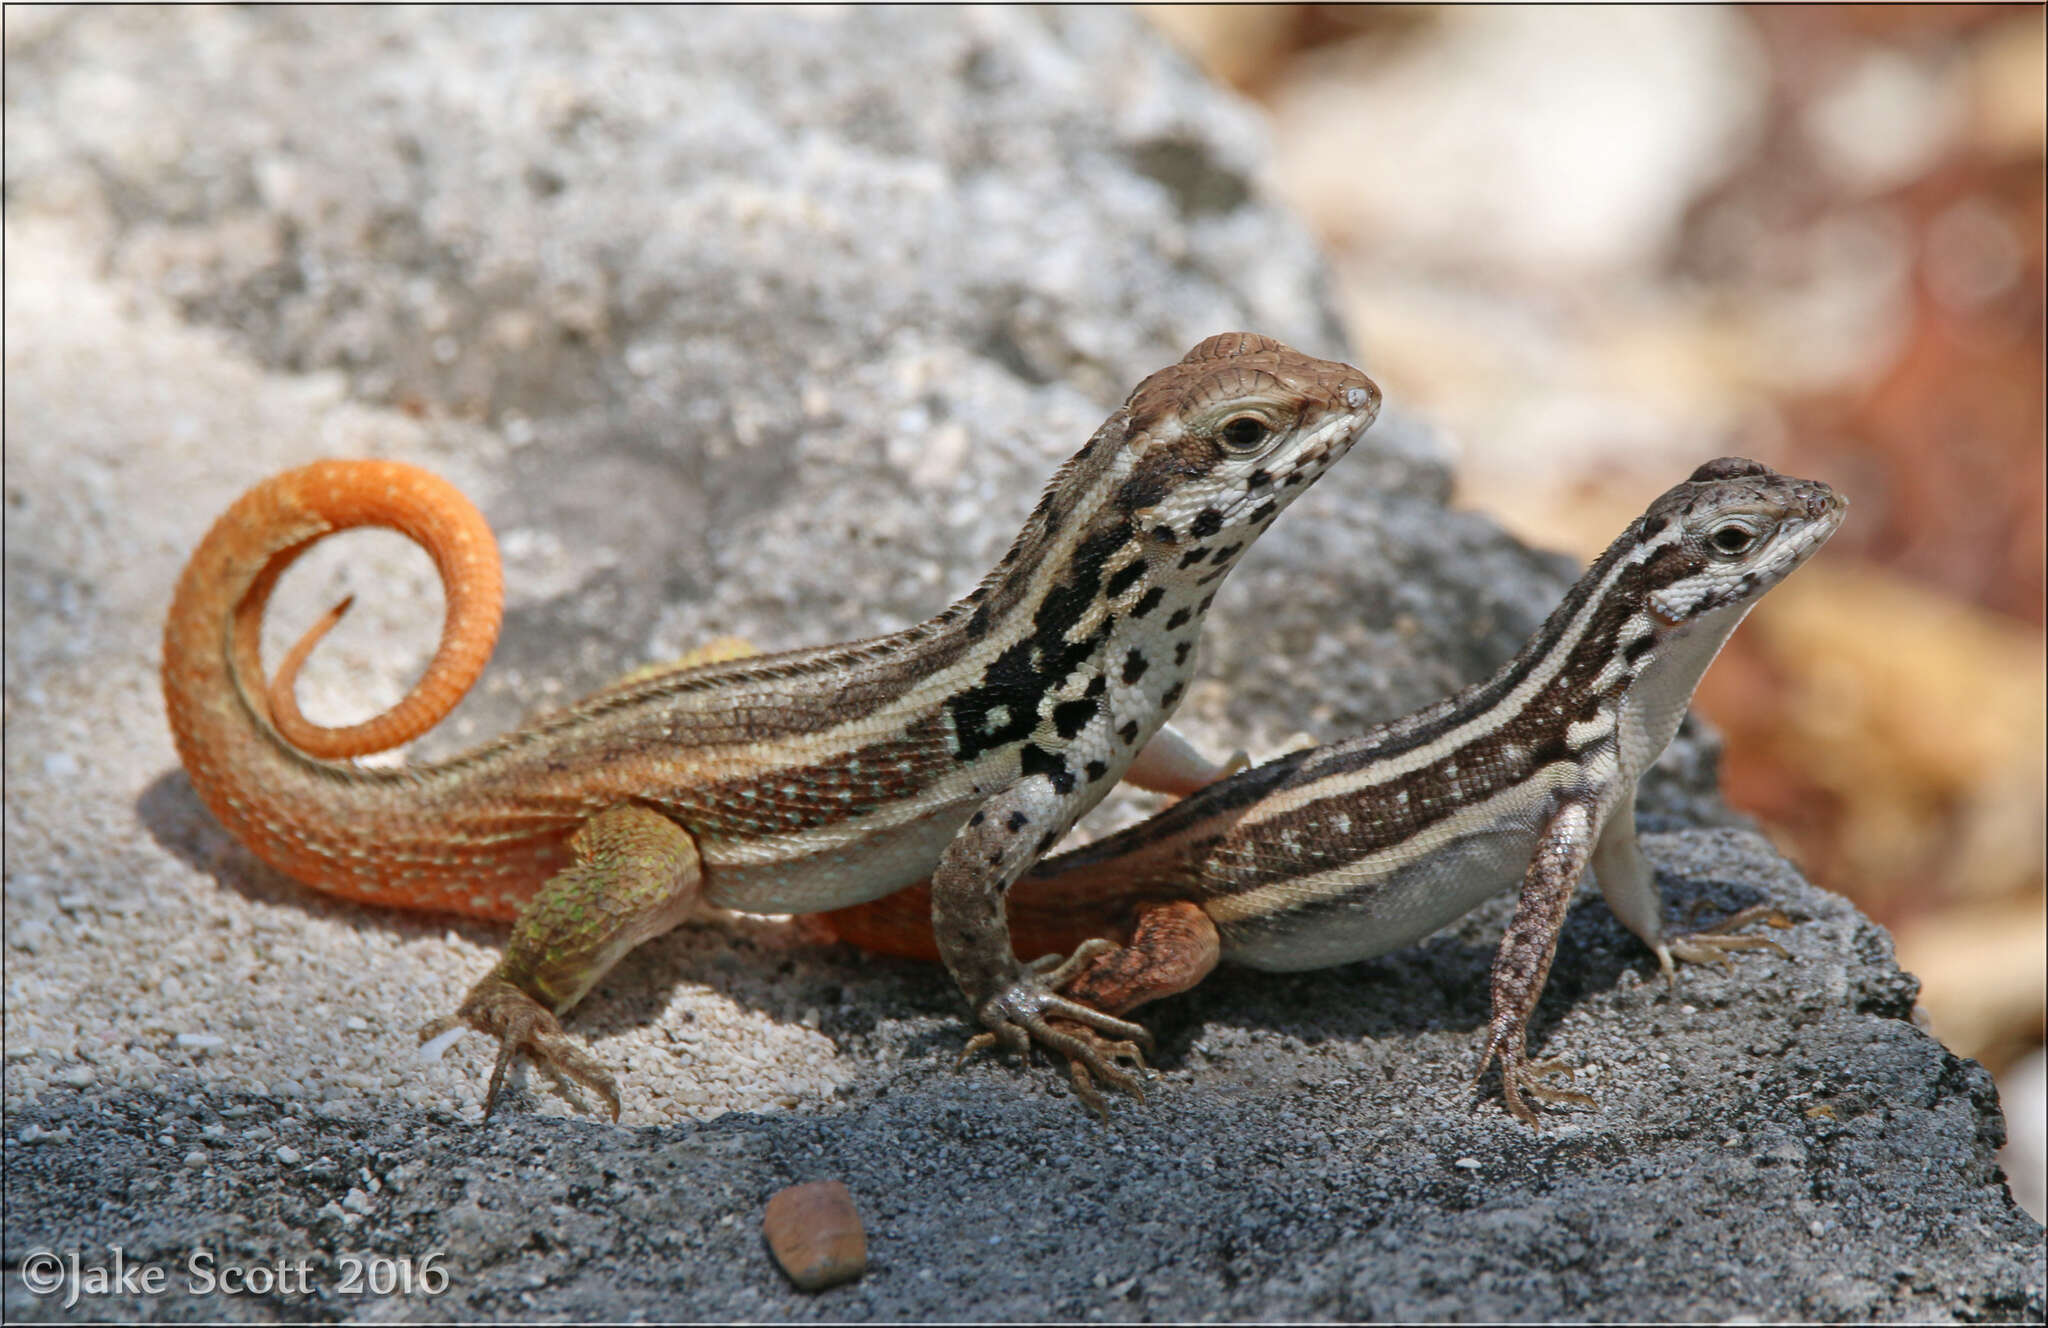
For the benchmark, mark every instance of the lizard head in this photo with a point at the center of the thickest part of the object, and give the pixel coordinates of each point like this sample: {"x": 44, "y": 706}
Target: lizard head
{"x": 1729, "y": 533}
{"x": 1218, "y": 444}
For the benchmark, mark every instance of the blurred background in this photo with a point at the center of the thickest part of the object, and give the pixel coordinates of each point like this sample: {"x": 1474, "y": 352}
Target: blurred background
{"x": 1600, "y": 245}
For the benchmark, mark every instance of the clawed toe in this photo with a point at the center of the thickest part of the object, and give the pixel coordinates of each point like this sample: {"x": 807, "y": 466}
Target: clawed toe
{"x": 1713, "y": 945}
{"x": 1532, "y": 1074}
{"x": 1520, "y": 1077}
{"x": 977, "y": 1044}
{"x": 498, "y": 1009}
{"x": 1706, "y": 949}
{"x": 1031, "y": 1012}
{"x": 1105, "y": 1054}
{"x": 1055, "y": 973}
{"x": 1008, "y": 1035}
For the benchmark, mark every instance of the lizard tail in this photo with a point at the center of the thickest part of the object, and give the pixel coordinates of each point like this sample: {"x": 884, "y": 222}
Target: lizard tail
{"x": 1046, "y": 917}
{"x": 267, "y": 530}
{"x": 245, "y": 744}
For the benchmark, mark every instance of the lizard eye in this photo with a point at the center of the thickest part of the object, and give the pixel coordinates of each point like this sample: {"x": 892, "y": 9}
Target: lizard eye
{"x": 1244, "y": 432}
{"x": 1732, "y": 540}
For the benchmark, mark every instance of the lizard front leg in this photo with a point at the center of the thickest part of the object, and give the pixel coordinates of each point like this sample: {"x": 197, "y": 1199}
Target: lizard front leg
{"x": 1522, "y": 963}
{"x": 1012, "y": 1000}
{"x": 634, "y": 875}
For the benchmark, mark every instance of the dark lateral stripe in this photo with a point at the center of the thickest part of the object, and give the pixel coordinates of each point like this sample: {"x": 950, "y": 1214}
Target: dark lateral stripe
{"x": 1217, "y": 801}
{"x": 1307, "y": 840}
{"x": 814, "y": 689}
{"x": 1382, "y": 815}
{"x": 1433, "y": 722}
{"x": 821, "y": 687}
{"x": 801, "y": 798}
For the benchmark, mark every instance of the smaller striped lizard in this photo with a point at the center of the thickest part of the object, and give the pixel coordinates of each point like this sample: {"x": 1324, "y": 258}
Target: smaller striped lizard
{"x": 1338, "y": 853}
{"x": 960, "y": 748}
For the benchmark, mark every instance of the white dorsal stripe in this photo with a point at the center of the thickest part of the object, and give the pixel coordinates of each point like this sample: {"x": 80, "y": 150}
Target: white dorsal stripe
{"x": 1290, "y": 893}
{"x": 1584, "y": 733}
{"x": 1479, "y": 726}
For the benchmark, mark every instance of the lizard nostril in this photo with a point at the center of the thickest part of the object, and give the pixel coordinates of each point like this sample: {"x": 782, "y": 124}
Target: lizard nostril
{"x": 1356, "y": 397}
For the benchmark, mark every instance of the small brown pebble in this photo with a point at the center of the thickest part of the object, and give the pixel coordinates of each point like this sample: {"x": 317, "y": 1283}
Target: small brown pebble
{"x": 816, "y": 1235}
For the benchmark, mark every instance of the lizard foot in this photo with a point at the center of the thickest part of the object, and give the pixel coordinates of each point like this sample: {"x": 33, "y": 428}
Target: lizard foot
{"x": 1712, "y": 945}
{"x": 1018, "y": 1015}
{"x": 1519, "y": 1075}
{"x": 497, "y": 1008}
{"x": 1084, "y": 1082}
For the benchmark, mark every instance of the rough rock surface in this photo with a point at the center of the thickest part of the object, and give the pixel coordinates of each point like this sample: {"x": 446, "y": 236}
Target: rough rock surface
{"x": 772, "y": 324}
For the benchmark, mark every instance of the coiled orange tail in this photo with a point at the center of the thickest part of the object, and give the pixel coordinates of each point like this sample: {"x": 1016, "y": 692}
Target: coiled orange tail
{"x": 238, "y": 563}
{"x": 243, "y": 743}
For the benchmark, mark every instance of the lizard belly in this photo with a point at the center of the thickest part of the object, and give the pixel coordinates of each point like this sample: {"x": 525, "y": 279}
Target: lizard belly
{"x": 811, "y": 875}
{"x": 1353, "y": 913}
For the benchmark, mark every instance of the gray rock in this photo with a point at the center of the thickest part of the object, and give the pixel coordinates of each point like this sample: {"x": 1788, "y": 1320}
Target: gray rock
{"x": 773, "y": 323}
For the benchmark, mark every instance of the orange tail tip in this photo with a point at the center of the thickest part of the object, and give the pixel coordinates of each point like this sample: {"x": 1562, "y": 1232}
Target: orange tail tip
{"x": 283, "y": 699}
{"x": 274, "y": 523}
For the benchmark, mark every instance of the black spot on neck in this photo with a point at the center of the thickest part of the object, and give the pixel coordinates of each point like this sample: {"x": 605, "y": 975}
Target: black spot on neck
{"x": 1139, "y": 491}
{"x": 1070, "y": 717}
{"x": 1124, "y": 578}
{"x": 1038, "y": 761}
{"x": 1019, "y": 679}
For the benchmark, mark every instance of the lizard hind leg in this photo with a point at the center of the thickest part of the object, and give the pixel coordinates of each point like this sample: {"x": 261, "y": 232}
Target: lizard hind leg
{"x": 1170, "y": 763}
{"x": 633, "y": 877}
{"x": 1174, "y": 946}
